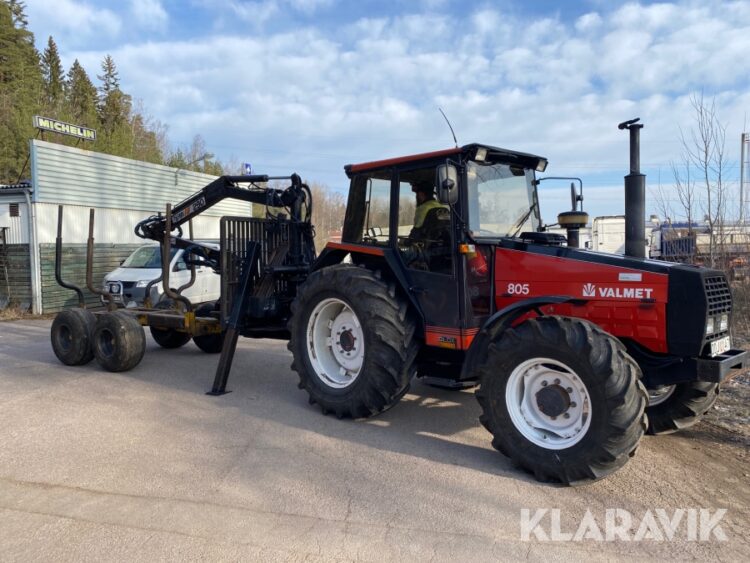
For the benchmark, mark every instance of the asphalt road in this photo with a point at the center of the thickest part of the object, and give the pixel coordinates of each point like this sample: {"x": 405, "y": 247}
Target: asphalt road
{"x": 144, "y": 466}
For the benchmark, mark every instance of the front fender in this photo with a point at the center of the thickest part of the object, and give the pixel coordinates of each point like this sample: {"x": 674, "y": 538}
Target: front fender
{"x": 500, "y": 322}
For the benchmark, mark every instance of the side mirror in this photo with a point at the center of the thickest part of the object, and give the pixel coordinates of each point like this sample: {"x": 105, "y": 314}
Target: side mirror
{"x": 447, "y": 183}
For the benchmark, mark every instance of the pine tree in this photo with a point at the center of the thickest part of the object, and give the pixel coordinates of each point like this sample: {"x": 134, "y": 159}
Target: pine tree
{"x": 80, "y": 96}
{"x": 17, "y": 10}
{"x": 114, "y": 112}
{"x": 52, "y": 73}
{"x": 20, "y": 88}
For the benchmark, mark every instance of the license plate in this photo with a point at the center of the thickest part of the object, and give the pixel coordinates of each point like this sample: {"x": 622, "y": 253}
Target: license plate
{"x": 720, "y": 346}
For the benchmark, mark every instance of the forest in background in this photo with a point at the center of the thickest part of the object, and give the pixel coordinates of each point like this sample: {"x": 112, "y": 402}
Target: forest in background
{"x": 34, "y": 83}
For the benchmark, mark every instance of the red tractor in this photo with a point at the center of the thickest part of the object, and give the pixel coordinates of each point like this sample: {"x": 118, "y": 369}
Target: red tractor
{"x": 575, "y": 353}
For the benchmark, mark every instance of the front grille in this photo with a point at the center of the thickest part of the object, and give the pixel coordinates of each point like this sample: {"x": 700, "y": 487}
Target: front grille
{"x": 718, "y": 295}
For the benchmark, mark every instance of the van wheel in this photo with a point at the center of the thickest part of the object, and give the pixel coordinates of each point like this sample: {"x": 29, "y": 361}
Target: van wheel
{"x": 209, "y": 343}
{"x": 168, "y": 337}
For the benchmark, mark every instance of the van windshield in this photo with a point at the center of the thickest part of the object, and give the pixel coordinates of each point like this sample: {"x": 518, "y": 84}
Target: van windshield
{"x": 147, "y": 257}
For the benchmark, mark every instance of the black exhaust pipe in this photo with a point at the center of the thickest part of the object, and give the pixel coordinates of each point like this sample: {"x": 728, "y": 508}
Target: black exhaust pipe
{"x": 635, "y": 194}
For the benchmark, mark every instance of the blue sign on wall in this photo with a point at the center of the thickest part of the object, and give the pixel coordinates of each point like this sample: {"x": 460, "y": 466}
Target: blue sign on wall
{"x": 247, "y": 169}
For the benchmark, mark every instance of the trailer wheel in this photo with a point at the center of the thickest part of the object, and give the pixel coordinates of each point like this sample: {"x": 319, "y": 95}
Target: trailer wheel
{"x": 119, "y": 341}
{"x": 680, "y": 406}
{"x": 168, "y": 337}
{"x": 562, "y": 399}
{"x": 353, "y": 341}
{"x": 209, "y": 343}
{"x": 71, "y": 335}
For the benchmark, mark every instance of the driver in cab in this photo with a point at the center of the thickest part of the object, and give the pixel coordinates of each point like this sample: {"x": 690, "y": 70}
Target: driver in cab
{"x": 424, "y": 191}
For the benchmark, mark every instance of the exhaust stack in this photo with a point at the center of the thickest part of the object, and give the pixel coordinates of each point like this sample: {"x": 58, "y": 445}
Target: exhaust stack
{"x": 635, "y": 194}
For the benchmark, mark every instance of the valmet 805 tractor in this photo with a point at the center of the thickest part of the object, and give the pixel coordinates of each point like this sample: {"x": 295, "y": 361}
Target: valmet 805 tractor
{"x": 576, "y": 353}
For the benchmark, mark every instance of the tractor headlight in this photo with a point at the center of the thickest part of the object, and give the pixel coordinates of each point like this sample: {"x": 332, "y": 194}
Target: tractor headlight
{"x": 724, "y": 323}
{"x": 710, "y": 326}
{"x": 142, "y": 283}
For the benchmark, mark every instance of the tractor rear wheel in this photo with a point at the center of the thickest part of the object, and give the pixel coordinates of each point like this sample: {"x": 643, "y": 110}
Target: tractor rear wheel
{"x": 168, "y": 337}
{"x": 562, "y": 399}
{"x": 353, "y": 342}
{"x": 119, "y": 341}
{"x": 680, "y": 406}
{"x": 71, "y": 335}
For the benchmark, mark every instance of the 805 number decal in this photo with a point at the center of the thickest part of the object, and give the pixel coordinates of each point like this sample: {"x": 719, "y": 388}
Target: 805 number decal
{"x": 518, "y": 289}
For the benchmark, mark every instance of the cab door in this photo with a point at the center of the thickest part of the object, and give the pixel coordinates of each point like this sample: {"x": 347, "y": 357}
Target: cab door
{"x": 429, "y": 256}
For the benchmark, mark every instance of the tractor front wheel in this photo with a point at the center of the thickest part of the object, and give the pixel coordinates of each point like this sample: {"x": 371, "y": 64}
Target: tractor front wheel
{"x": 353, "y": 342}
{"x": 562, "y": 399}
{"x": 680, "y": 406}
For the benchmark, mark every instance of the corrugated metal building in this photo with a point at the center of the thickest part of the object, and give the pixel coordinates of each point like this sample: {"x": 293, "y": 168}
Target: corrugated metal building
{"x": 122, "y": 191}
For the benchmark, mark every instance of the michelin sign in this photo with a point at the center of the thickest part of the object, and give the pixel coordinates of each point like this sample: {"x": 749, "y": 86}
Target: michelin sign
{"x": 47, "y": 124}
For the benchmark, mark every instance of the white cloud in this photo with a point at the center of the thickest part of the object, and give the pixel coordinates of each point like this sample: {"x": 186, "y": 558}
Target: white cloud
{"x": 313, "y": 101}
{"x": 72, "y": 22}
{"x": 261, "y": 11}
{"x": 588, "y": 22}
{"x": 150, "y": 14}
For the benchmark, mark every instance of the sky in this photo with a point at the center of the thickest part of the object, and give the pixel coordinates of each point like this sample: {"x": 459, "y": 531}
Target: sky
{"x": 308, "y": 86}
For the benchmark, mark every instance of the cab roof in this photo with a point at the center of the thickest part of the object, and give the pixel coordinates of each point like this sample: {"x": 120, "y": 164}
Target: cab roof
{"x": 494, "y": 154}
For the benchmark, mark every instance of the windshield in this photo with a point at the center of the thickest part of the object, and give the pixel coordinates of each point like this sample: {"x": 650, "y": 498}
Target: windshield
{"x": 147, "y": 257}
{"x": 501, "y": 199}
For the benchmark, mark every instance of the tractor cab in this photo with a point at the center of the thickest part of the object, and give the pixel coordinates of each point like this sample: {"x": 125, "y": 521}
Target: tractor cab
{"x": 434, "y": 218}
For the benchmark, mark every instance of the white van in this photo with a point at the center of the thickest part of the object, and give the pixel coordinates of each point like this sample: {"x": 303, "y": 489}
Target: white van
{"x": 128, "y": 283}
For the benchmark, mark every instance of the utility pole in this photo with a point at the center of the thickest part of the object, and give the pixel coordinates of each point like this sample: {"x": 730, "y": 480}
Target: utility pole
{"x": 744, "y": 166}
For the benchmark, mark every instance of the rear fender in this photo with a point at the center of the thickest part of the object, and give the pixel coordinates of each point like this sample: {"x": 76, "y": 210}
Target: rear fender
{"x": 382, "y": 259}
{"x": 500, "y": 322}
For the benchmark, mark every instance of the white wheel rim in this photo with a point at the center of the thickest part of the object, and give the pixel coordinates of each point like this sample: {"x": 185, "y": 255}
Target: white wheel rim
{"x": 335, "y": 343}
{"x": 660, "y": 394}
{"x": 542, "y": 383}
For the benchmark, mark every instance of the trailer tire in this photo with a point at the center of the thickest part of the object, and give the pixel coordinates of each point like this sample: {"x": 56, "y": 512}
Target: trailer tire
{"x": 208, "y": 343}
{"x": 560, "y": 365}
{"x": 353, "y": 341}
{"x": 119, "y": 341}
{"x": 168, "y": 337}
{"x": 72, "y": 335}
{"x": 684, "y": 405}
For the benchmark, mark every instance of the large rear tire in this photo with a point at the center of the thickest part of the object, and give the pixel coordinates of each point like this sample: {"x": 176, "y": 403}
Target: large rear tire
{"x": 119, "y": 341}
{"x": 353, "y": 342}
{"x": 562, "y": 399}
{"x": 680, "y": 406}
{"x": 168, "y": 337}
{"x": 71, "y": 336}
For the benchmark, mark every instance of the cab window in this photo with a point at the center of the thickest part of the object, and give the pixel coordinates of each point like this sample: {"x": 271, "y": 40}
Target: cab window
{"x": 424, "y": 224}
{"x": 377, "y": 210}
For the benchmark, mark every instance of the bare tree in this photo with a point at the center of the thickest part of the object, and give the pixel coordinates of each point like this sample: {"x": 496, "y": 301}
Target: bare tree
{"x": 329, "y": 207}
{"x": 685, "y": 187}
{"x": 704, "y": 152}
